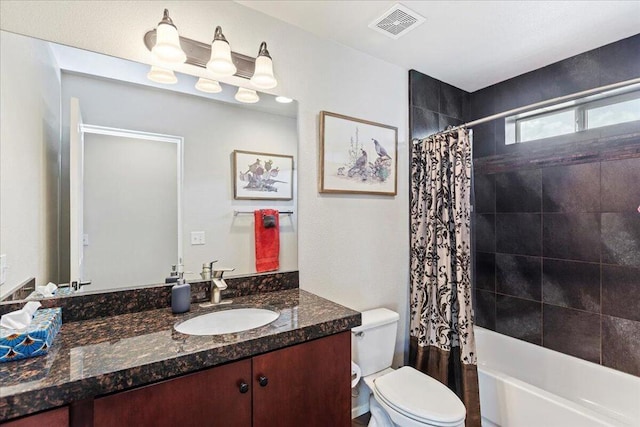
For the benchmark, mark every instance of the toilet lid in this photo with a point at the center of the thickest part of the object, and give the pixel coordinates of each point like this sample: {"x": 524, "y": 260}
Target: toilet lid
{"x": 420, "y": 397}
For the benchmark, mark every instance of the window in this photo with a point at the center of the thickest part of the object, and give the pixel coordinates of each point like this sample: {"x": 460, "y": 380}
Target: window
{"x": 545, "y": 126}
{"x": 592, "y": 112}
{"x": 612, "y": 114}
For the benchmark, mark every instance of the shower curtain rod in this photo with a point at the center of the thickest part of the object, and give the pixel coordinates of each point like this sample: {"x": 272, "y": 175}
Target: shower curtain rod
{"x": 537, "y": 105}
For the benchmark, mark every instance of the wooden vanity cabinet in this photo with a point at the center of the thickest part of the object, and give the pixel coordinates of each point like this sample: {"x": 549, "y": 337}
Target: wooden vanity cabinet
{"x": 213, "y": 397}
{"x": 303, "y": 385}
{"x": 307, "y": 384}
{"x": 58, "y": 417}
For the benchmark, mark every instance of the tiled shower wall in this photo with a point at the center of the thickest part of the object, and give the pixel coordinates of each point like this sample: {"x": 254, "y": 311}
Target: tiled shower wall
{"x": 558, "y": 258}
{"x": 434, "y": 105}
{"x": 557, "y": 227}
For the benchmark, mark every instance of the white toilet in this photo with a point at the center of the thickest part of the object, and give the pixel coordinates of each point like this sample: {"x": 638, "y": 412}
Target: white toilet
{"x": 404, "y": 397}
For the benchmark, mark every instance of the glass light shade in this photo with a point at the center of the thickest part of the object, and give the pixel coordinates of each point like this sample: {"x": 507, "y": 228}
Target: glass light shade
{"x": 247, "y": 96}
{"x": 220, "y": 63}
{"x": 167, "y": 48}
{"x": 161, "y": 75}
{"x": 209, "y": 86}
{"x": 263, "y": 75}
{"x": 283, "y": 99}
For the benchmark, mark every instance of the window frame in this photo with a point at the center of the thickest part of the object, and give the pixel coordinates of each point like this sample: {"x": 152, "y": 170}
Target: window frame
{"x": 580, "y": 107}
{"x": 519, "y": 121}
{"x": 610, "y": 100}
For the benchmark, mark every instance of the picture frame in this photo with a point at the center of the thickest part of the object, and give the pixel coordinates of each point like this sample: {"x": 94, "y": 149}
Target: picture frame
{"x": 357, "y": 156}
{"x": 262, "y": 176}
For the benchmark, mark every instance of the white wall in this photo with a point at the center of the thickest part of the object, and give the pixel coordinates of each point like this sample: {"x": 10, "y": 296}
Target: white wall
{"x": 351, "y": 249}
{"x": 211, "y": 131}
{"x": 29, "y": 135}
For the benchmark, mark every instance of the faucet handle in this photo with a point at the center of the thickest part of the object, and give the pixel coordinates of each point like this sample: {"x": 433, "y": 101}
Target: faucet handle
{"x": 77, "y": 284}
{"x": 218, "y": 272}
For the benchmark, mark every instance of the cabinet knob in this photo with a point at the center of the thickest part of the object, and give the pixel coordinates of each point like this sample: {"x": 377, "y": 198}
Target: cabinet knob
{"x": 244, "y": 387}
{"x": 263, "y": 381}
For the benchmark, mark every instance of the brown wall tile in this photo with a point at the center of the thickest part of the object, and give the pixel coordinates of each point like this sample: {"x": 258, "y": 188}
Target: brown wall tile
{"x": 572, "y": 332}
{"x": 621, "y": 344}
{"x": 621, "y": 292}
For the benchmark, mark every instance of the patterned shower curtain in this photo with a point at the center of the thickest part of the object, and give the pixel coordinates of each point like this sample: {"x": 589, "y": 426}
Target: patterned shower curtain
{"x": 441, "y": 337}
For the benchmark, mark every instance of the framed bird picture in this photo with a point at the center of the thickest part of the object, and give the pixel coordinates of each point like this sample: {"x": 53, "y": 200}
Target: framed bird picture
{"x": 357, "y": 156}
{"x": 262, "y": 176}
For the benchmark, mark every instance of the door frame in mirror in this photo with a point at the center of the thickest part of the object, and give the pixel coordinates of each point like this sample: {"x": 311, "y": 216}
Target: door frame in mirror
{"x": 149, "y": 136}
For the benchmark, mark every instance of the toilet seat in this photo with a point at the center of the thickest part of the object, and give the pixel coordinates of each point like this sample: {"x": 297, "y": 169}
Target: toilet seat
{"x": 418, "y": 397}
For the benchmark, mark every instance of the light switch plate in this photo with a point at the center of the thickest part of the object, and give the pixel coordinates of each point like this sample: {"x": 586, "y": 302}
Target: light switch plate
{"x": 3, "y": 269}
{"x": 197, "y": 238}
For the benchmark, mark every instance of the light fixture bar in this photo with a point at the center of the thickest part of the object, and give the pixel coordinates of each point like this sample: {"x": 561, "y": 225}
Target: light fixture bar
{"x": 198, "y": 54}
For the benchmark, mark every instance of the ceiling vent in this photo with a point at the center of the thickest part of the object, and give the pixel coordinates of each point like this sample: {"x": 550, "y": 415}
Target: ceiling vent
{"x": 397, "y": 21}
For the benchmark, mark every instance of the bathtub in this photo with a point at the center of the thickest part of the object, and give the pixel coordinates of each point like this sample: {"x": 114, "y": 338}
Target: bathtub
{"x": 525, "y": 385}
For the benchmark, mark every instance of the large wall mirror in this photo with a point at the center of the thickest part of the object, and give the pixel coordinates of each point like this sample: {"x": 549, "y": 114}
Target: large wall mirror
{"x": 109, "y": 177}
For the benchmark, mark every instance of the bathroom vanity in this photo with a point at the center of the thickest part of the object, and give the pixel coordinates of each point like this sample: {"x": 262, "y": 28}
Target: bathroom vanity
{"x": 135, "y": 369}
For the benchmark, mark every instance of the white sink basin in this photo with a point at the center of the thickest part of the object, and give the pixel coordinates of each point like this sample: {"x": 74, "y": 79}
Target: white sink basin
{"x": 227, "y": 321}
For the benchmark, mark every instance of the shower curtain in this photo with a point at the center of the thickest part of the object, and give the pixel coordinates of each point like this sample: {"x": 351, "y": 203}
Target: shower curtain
{"x": 441, "y": 336}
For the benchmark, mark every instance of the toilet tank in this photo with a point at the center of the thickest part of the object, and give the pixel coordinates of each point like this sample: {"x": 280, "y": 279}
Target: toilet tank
{"x": 373, "y": 343}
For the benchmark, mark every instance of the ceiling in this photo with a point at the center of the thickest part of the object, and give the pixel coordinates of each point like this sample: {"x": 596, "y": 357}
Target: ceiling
{"x": 469, "y": 44}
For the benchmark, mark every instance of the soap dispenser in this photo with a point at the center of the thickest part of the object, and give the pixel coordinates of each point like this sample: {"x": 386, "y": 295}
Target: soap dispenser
{"x": 180, "y": 296}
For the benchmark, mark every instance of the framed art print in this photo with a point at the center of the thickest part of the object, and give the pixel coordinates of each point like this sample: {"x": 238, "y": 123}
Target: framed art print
{"x": 357, "y": 156}
{"x": 262, "y": 176}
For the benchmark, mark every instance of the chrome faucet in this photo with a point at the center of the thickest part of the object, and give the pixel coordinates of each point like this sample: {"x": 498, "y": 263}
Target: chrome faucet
{"x": 206, "y": 270}
{"x": 217, "y": 284}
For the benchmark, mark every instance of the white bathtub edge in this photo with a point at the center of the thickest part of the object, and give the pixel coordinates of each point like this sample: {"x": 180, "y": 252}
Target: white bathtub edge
{"x": 554, "y": 399}
{"x": 602, "y": 395}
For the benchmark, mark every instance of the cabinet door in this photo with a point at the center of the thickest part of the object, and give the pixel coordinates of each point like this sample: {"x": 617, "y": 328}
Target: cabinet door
{"x": 306, "y": 384}
{"x": 208, "y": 398}
{"x": 53, "y": 418}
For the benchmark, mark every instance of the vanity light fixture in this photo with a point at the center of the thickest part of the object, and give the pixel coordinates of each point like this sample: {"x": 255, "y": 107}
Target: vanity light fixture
{"x": 220, "y": 63}
{"x": 162, "y": 75}
{"x": 207, "y": 85}
{"x": 167, "y": 48}
{"x": 263, "y": 77}
{"x": 283, "y": 99}
{"x": 248, "y": 96}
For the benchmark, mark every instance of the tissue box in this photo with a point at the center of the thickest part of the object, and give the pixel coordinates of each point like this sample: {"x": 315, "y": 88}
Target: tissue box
{"x": 35, "y": 340}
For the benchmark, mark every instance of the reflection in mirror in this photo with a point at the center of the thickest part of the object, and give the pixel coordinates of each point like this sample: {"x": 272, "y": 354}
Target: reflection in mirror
{"x": 125, "y": 173}
{"x": 145, "y": 182}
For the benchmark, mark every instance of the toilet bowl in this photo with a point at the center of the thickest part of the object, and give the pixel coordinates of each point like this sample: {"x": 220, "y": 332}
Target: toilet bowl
{"x": 410, "y": 398}
{"x": 404, "y": 397}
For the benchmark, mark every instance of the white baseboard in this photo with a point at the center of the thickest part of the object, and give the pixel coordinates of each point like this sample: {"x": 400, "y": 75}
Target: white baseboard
{"x": 359, "y": 410}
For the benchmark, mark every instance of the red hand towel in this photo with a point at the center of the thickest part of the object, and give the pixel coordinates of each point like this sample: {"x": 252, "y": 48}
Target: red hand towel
{"x": 267, "y": 241}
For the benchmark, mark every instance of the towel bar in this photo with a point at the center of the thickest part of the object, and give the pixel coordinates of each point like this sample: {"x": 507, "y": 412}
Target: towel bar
{"x": 237, "y": 212}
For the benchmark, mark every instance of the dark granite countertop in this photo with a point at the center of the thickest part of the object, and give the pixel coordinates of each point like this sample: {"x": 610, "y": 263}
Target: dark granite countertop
{"x": 98, "y": 356}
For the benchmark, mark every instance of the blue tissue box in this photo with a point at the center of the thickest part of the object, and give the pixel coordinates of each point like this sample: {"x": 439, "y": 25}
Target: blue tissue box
{"x": 35, "y": 340}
